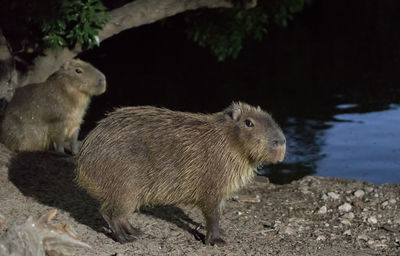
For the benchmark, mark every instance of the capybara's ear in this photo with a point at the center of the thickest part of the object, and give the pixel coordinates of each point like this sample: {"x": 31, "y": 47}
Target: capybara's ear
{"x": 66, "y": 65}
{"x": 235, "y": 111}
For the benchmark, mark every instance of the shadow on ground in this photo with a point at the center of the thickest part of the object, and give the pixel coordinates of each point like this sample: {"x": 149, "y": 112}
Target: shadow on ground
{"x": 176, "y": 216}
{"x": 49, "y": 178}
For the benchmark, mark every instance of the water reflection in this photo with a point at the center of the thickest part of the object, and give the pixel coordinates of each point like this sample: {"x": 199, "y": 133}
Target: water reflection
{"x": 362, "y": 146}
{"x": 366, "y": 147}
{"x": 304, "y": 140}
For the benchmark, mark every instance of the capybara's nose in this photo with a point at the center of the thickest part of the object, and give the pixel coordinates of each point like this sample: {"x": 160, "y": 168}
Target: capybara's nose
{"x": 281, "y": 152}
{"x": 102, "y": 81}
{"x": 279, "y": 142}
{"x": 280, "y": 146}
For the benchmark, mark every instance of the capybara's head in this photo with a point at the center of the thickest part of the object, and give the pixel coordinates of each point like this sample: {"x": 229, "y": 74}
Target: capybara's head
{"x": 88, "y": 79}
{"x": 258, "y": 136}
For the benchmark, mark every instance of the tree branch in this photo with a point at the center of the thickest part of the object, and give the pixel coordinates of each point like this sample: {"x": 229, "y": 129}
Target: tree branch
{"x": 133, "y": 14}
{"x": 143, "y": 12}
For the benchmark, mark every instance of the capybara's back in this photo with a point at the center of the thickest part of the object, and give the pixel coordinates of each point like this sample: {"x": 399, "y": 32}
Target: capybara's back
{"x": 146, "y": 155}
{"x": 45, "y": 115}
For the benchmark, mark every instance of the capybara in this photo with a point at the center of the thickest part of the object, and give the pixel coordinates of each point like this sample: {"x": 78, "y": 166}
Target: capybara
{"x": 48, "y": 114}
{"x": 148, "y": 156}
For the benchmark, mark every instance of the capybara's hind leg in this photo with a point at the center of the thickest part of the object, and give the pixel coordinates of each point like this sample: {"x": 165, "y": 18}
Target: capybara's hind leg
{"x": 123, "y": 231}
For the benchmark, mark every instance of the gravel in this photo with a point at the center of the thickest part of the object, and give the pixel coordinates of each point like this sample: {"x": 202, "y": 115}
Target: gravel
{"x": 310, "y": 216}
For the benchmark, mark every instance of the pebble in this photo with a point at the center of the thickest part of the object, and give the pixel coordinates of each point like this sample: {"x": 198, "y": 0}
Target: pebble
{"x": 324, "y": 197}
{"x": 392, "y": 201}
{"x": 396, "y": 220}
{"x": 2, "y": 220}
{"x": 362, "y": 237}
{"x": 321, "y": 238}
{"x": 347, "y": 232}
{"x": 239, "y": 213}
{"x": 346, "y": 207}
{"x": 369, "y": 189}
{"x": 289, "y": 231}
{"x": 323, "y": 210}
{"x": 333, "y": 195}
{"x": 348, "y": 216}
{"x": 359, "y": 193}
{"x": 372, "y": 220}
{"x": 371, "y": 244}
{"x": 346, "y": 222}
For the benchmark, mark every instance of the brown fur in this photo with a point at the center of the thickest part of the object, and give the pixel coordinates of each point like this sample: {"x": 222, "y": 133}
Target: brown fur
{"x": 50, "y": 113}
{"x": 146, "y": 155}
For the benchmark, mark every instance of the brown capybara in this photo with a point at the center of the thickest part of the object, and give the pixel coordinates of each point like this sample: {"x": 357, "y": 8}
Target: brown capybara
{"x": 148, "y": 156}
{"x": 48, "y": 114}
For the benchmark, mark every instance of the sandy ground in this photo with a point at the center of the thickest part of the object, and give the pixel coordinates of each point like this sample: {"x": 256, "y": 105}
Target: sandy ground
{"x": 312, "y": 216}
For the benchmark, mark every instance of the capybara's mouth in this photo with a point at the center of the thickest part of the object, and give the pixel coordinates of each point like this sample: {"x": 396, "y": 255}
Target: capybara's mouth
{"x": 279, "y": 154}
{"x": 101, "y": 87}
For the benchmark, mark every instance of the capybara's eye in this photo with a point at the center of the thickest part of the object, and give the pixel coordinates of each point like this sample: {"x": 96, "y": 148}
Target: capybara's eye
{"x": 78, "y": 70}
{"x": 249, "y": 123}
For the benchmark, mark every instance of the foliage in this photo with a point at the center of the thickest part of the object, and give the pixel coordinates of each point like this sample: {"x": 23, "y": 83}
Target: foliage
{"x": 224, "y": 33}
{"x": 225, "y": 30}
{"x": 59, "y": 23}
{"x": 40, "y": 24}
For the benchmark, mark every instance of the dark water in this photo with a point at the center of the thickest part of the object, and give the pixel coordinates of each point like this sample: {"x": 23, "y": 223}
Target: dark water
{"x": 332, "y": 84}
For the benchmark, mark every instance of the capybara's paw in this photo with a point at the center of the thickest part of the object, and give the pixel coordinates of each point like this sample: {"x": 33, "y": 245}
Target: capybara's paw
{"x": 214, "y": 239}
{"x": 218, "y": 241}
{"x": 124, "y": 237}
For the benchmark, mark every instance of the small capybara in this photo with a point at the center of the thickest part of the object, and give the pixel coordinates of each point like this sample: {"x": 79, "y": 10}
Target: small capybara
{"x": 48, "y": 114}
{"x": 148, "y": 156}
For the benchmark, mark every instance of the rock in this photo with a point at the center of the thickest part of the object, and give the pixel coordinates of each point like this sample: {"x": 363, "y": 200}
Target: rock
{"x": 371, "y": 244}
{"x": 346, "y": 207}
{"x": 305, "y": 190}
{"x": 346, "y": 222}
{"x": 277, "y": 223}
{"x": 324, "y": 197}
{"x": 321, "y": 238}
{"x": 347, "y": 232}
{"x": 362, "y": 237}
{"x": 359, "y": 193}
{"x": 369, "y": 189}
{"x": 384, "y": 204}
{"x": 358, "y": 204}
{"x": 289, "y": 231}
{"x": 323, "y": 210}
{"x": 333, "y": 195}
{"x": 372, "y": 220}
{"x": 387, "y": 227}
{"x": 348, "y": 216}
{"x": 392, "y": 201}
{"x": 247, "y": 198}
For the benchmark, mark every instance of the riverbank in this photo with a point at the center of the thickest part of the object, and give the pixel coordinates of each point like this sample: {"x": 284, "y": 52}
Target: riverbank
{"x": 311, "y": 216}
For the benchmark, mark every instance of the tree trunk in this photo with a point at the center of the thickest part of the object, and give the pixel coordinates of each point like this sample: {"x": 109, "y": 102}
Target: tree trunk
{"x": 131, "y": 15}
{"x": 8, "y": 75}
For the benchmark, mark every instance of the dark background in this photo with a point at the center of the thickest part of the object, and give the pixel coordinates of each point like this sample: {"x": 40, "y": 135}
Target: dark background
{"x": 334, "y": 52}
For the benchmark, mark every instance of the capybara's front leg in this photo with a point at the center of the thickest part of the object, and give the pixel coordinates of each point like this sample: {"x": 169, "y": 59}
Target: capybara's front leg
{"x": 213, "y": 235}
{"x": 74, "y": 142}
